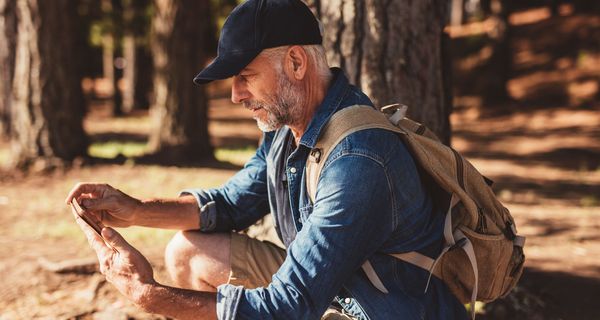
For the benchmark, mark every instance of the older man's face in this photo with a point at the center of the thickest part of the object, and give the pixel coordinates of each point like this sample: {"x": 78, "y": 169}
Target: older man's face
{"x": 273, "y": 99}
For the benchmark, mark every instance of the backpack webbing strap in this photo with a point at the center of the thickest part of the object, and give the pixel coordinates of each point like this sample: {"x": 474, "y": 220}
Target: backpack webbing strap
{"x": 468, "y": 248}
{"x": 372, "y": 276}
{"x": 519, "y": 241}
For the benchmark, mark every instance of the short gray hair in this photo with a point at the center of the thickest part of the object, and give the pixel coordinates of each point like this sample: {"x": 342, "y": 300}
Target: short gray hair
{"x": 316, "y": 55}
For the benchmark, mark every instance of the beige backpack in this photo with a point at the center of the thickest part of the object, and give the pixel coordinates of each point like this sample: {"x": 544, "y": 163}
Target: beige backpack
{"x": 491, "y": 260}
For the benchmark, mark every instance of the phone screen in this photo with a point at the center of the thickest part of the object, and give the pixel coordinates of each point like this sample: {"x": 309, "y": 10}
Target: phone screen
{"x": 97, "y": 226}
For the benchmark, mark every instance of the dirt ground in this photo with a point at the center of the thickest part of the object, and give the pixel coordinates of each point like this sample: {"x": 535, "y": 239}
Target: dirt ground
{"x": 542, "y": 149}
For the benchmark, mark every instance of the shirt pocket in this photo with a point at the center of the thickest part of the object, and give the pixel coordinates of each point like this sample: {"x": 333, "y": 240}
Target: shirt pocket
{"x": 305, "y": 212}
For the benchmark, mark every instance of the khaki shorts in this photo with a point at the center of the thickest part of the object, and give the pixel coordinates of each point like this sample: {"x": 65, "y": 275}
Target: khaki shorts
{"x": 253, "y": 262}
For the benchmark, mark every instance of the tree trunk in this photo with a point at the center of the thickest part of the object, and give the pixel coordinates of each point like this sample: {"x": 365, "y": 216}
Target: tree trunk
{"x": 499, "y": 64}
{"x": 8, "y": 28}
{"x": 179, "y": 110}
{"x": 456, "y": 12}
{"x": 129, "y": 53}
{"x": 47, "y": 106}
{"x": 108, "y": 70}
{"x": 110, "y": 40}
{"x": 137, "y": 74}
{"x": 393, "y": 51}
{"x": 129, "y": 72}
{"x": 144, "y": 71}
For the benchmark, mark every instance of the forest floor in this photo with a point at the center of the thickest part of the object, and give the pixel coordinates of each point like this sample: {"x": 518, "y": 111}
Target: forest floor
{"x": 542, "y": 149}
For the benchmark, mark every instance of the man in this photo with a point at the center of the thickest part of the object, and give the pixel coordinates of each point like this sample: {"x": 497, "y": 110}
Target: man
{"x": 369, "y": 201}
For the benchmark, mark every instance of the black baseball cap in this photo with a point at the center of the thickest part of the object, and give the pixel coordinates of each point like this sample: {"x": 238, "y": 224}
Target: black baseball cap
{"x": 256, "y": 25}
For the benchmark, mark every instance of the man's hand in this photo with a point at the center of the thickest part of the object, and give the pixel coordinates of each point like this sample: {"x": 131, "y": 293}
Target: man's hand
{"x": 111, "y": 206}
{"x": 129, "y": 271}
{"x": 124, "y": 266}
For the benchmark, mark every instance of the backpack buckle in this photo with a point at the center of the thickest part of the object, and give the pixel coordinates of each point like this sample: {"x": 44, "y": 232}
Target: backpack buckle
{"x": 510, "y": 231}
{"x": 315, "y": 155}
{"x": 458, "y": 244}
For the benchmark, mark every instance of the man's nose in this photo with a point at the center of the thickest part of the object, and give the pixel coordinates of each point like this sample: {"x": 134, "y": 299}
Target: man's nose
{"x": 238, "y": 91}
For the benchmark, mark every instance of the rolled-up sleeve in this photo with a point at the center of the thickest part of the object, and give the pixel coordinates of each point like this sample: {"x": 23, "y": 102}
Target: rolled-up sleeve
{"x": 228, "y": 297}
{"x": 329, "y": 248}
{"x": 241, "y": 201}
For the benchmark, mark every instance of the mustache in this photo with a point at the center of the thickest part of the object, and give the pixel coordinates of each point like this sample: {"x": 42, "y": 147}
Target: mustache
{"x": 253, "y": 105}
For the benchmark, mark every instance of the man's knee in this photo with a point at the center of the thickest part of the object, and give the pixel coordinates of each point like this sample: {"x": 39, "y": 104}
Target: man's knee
{"x": 178, "y": 250}
{"x": 187, "y": 247}
{"x": 192, "y": 257}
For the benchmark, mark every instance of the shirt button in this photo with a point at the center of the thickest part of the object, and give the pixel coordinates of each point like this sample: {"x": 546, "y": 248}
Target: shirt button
{"x": 347, "y": 300}
{"x": 293, "y": 170}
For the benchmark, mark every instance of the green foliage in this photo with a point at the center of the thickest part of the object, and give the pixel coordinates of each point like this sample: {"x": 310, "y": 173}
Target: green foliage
{"x": 479, "y": 307}
{"x": 111, "y": 149}
{"x": 238, "y": 156}
{"x": 122, "y": 16}
{"x": 589, "y": 201}
{"x": 96, "y": 34}
{"x": 132, "y": 149}
{"x": 582, "y": 58}
{"x": 220, "y": 10}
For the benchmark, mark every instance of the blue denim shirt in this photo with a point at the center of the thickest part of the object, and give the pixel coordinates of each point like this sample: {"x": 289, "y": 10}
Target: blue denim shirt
{"x": 370, "y": 201}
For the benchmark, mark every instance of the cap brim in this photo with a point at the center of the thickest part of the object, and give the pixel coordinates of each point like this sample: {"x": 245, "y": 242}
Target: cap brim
{"x": 225, "y": 66}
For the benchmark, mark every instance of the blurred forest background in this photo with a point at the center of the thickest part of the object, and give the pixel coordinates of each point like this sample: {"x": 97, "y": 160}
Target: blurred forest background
{"x": 102, "y": 91}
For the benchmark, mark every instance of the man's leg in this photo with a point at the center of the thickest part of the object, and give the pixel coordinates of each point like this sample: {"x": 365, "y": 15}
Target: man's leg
{"x": 199, "y": 261}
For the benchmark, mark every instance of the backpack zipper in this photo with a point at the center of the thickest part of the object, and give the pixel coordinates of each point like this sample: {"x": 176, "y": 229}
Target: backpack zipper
{"x": 459, "y": 169}
{"x": 481, "y": 222}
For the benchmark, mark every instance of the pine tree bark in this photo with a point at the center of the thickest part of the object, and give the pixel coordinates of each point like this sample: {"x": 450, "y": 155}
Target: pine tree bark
{"x": 393, "y": 51}
{"x": 47, "y": 106}
{"x": 179, "y": 110}
{"x": 137, "y": 74}
{"x": 8, "y": 28}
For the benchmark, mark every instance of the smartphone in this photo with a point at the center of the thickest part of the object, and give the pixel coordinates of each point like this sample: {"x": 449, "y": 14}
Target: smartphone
{"x": 96, "y": 225}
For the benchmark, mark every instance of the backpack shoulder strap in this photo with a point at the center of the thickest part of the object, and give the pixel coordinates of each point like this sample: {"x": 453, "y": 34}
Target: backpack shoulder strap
{"x": 341, "y": 124}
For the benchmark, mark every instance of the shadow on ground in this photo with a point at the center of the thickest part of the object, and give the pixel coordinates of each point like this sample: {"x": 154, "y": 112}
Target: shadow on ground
{"x": 549, "y": 296}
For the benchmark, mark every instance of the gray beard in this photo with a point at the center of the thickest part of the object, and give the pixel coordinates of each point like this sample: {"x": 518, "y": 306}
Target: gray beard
{"x": 285, "y": 108}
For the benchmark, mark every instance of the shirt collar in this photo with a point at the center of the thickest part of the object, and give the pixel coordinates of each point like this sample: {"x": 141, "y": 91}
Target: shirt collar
{"x": 332, "y": 102}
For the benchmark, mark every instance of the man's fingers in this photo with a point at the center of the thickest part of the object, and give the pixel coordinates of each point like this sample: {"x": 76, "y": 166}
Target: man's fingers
{"x": 96, "y": 204}
{"x": 116, "y": 240}
{"x": 85, "y": 187}
{"x": 93, "y": 238}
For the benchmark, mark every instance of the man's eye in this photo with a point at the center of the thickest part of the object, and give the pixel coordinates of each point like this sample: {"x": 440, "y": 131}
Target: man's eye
{"x": 245, "y": 77}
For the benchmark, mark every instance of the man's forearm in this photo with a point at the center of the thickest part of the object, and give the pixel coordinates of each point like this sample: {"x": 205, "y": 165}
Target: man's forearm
{"x": 179, "y": 303}
{"x": 179, "y": 214}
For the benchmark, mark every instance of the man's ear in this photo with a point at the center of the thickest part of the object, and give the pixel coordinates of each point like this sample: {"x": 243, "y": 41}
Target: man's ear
{"x": 296, "y": 61}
